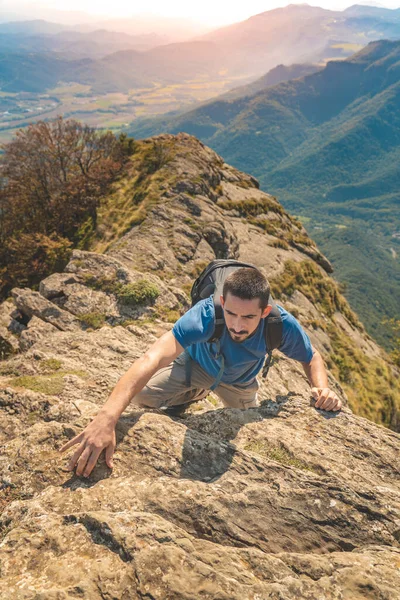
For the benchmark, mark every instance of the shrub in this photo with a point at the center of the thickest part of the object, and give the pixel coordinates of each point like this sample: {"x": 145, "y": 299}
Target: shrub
{"x": 140, "y": 292}
{"x": 93, "y": 319}
{"x": 30, "y": 258}
{"x": 252, "y": 207}
{"x": 127, "y": 144}
{"x": 54, "y": 174}
{"x": 158, "y": 155}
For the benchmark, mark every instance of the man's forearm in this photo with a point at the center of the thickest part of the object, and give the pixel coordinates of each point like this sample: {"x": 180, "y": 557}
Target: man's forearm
{"x": 316, "y": 371}
{"x": 130, "y": 384}
{"x": 100, "y": 433}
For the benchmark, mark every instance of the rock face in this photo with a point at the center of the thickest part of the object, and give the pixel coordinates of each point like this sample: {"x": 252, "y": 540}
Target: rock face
{"x": 282, "y": 502}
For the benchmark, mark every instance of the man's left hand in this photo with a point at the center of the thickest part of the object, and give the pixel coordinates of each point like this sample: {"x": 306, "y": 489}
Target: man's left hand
{"x": 326, "y": 399}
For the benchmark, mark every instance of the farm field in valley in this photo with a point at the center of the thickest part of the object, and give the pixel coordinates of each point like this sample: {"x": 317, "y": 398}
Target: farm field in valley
{"x": 109, "y": 111}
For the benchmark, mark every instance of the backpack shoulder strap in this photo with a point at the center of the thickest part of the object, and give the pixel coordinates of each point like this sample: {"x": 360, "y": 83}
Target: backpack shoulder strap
{"x": 273, "y": 334}
{"x": 218, "y": 320}
{"x": 273, "y": 327}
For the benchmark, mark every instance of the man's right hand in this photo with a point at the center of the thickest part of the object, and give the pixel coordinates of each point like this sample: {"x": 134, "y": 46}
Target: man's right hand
{"x": 97, "y": 436}
{"x": 100, "y": 433}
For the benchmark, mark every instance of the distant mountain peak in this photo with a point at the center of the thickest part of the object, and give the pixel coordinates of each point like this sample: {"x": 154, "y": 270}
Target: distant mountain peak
{"x": 371, "y": 4}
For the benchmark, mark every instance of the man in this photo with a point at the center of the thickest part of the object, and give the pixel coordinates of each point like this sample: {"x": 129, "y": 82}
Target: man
{"x": 160, "y": 377}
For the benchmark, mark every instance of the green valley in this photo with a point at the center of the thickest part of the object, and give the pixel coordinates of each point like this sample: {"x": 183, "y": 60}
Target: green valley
{"x": 328, "y": 146}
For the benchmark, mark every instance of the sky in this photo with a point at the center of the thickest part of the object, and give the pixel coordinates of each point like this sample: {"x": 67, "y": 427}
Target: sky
{"x": 210, "y": 12}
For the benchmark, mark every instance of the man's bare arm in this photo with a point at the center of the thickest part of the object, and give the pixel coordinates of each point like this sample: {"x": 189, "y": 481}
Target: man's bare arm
{"x": 100, "y": 433}
{"x": 159, "y": 355}
{"x": 317, "y": 376}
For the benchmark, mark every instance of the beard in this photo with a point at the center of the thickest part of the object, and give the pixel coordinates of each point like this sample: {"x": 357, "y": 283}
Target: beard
{"x": 238, "y": 337}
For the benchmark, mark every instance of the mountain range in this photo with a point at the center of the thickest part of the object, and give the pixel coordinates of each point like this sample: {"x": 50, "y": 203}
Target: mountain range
{"x": 296, "y": 33}
{"x": 120, "y": 71}
{"x": 276, "y": 75}
{"x": 76, "y": 44}
{"x": 173, "y": 29}
{"x": 303, "y": 33}
{"x": 328, "y": 146}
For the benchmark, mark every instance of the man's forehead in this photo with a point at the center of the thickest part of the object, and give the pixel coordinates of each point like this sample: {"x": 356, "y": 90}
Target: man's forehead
{"x": 242, "y": 307}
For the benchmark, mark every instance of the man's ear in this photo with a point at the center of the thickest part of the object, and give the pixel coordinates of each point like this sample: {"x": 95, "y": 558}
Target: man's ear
{"x": 221, "y": 298}
{"x": 266, "y": 311}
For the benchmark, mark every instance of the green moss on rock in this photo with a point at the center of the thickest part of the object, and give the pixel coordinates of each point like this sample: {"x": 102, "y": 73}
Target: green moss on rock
{"x": 278, "y": 453}
{"x": 131, "y": 294}
{"x": 93, "y": 319}
{"x": 51, "y": 364}
{"x": 51, "y": 385}
{"x": 140, "y": 292}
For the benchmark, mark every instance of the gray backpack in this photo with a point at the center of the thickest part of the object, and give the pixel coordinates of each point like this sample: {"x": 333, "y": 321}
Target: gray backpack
{"x": 210, "y": 283}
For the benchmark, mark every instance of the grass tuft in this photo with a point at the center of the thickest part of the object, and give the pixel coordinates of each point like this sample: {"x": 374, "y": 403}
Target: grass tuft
{"x": 278, "y": 453}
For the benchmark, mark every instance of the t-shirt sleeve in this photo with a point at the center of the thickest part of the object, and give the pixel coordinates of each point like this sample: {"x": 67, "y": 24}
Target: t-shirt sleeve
{"x": 295, "y": 342}
{"x": 196, "y": 325}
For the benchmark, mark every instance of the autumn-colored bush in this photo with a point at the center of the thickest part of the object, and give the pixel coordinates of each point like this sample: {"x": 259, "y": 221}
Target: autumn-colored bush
{"x": 30, "y": 257}
{"x": 53, "y": 175}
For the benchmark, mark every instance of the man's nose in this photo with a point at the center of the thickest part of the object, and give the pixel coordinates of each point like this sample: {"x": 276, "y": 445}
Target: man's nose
{"x": 238, "y": 325}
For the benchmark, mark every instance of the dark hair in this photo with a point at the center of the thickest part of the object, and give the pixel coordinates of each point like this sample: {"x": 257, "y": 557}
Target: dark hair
{"x": 247, "y": 283}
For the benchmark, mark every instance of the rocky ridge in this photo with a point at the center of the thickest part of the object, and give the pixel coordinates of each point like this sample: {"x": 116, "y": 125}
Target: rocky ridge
{"x": 283, "y": 501}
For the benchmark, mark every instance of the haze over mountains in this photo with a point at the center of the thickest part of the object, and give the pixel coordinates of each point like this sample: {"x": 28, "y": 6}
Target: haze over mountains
{"x": 276, "y": 75}
{"x": 75, "y": 44}
{"x": 296, "y": 33}
{"x": 172, "y": 29}
{"x": 302, "y": 33}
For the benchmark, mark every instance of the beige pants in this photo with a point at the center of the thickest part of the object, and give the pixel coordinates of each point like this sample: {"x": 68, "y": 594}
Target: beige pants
{"x": 168, "y": 387}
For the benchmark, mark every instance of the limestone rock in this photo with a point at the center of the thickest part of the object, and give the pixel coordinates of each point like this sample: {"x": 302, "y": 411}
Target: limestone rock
{"x": 213, "y": 505}
{"x": 53, "y": 286}
{"x": 280, "y": 501}
{"x": 105, "y": 274}
{"x": 34, "y": 304}
{"x": 36, "y": 329}
{"x": 9, "y": 327}
{"x": 8, "y": 344}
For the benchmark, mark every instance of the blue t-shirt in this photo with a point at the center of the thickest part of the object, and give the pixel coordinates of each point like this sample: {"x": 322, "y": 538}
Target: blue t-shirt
{"x": 245, "y": 359}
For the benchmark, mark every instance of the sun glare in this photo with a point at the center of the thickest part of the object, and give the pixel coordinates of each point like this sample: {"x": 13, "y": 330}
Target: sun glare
{"x": 207, "y": 11}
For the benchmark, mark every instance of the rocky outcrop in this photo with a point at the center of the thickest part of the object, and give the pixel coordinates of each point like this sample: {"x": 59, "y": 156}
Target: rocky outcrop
{"x": 9, "y": 329}
{"x": 31, "y": 304}
{"x": 281, "y": 501}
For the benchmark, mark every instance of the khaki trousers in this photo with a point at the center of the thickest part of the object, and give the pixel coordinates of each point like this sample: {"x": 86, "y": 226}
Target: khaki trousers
{"x": 168, "y": 387}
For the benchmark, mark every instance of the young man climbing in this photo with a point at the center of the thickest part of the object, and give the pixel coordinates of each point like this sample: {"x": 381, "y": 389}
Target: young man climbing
{"x": 220, "y": 344}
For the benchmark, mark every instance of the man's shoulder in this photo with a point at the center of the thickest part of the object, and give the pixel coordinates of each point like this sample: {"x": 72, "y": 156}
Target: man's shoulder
{"x": 288, "y": 319}
{"x": 203, "y": 308}
{"x": 295, "y": 342}
{"x": 196, "y": 325}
